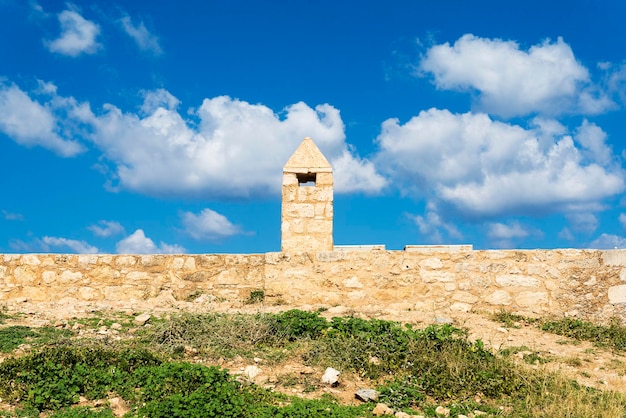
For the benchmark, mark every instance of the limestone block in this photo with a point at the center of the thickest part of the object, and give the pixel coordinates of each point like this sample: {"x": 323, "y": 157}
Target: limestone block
{"x": 24, "y": 275}
{"x": 322, "y": 194}
{"x": 290, "y": 193}
{"x": 460, "y": 307}
{"x": 617, "y": 294}
{"x": 3, "y": 272}
{"x": 331, "y": 256}
{"x": 353, "y": 282}
{"x": 357, "y": 295}
{"x": 499, "y": 297}
{"x": 542, "y": 270}
{"x": 432, "y": 263}
{"x": 465, "y": 297}
{"x": 430, "y": 276}
{"x": 11, "y": 257}
{"x": 517, "y": 280}
{"x": 49, "y": 276}
{"x": 319, "y": 227}
{"x": 30, "y": 260}
{"x": 449, "y": 287}
{"x": 290, "y": 179}
{"x": 69, "y": 276}
{"x": 324, "y": 179}
{"x": 299, "y": 210}
{"x": 551, "y": 285}
{"x": 190, "y": 263}
{"x": 104, "y": 274}
{"x": 178, "y": 263}
{"x": 86, "y": 259}
{"x": 35, "y": 293}
{"x": 89, "y": 293}
{"x": 125, "y": 261}
{"x": 614, "y": 258}
{"x": 123, "y": 293}
{"x": 137, "y": 275}
{"x": 295, "y": 226}
{"x": 227, "y": 278}
{"x": 530, "y": 299}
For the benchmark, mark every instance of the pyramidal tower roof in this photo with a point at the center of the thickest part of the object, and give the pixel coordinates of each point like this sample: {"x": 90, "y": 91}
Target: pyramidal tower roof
{"x": 307, "y": 159}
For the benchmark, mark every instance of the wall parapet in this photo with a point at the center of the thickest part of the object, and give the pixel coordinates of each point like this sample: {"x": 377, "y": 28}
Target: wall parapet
{"x": 589, "y": 284}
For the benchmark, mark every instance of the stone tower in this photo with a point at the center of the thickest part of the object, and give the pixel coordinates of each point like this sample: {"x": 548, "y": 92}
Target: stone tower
{"x": 307, "y": 206}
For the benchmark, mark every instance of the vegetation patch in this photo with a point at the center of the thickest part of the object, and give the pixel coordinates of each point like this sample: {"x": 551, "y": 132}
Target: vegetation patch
{"x": 156, "y": 373}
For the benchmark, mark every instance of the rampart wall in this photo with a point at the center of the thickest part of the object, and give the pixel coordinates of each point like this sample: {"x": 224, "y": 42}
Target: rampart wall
{"x": 589, "y": 284}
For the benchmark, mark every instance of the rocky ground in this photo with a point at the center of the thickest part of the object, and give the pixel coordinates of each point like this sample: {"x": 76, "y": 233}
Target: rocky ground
{"x": 590, "y": 365}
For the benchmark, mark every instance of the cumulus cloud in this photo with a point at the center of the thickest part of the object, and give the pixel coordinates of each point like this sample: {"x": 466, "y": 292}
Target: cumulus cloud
{"x": 106, "y": 228}
{"x": 235, "y": 149}
{"x": 30, "y": 123}
{"x": 78, "y": 35}
{"x": 434, "y": 227}
{"x": 138, "y": 243}
{"x": 11, "y": 216}
{"x": 80, "y": 247}
{"x": 608, "y": 242}
{"x": 145, "y": 40}
{"x": 505, "y": 235}
{"x": 511, "y": 81}
{"x": 583, "y": 222}
{"x": 208, "y": 225}
{"x": 486, "y": 169}
{"x": 225, "y": 148}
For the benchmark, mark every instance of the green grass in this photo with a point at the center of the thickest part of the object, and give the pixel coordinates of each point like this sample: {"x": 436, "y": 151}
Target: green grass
{"x": 612, "y": 335}
{"x": 13, "y": 336}
{"x": 415, "y": 370}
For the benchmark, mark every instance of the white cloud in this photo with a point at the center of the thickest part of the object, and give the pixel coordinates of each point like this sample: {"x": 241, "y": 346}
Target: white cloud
{"x": 140, "y": 34}
{"x": 483, "y": 168}
{"x": 10, "y": 216}
{"x": 236, "y": 149}
{"x": 506, "y": 235}
{"x": 433, "y": 226}
{"x": 78, "y": 35}
{"x": 511, "y": 81}
{"x": 29, "y": 123}
{"x": 593, "y": 142}
{"x": 608, "y": 242}
{"x": 503, "y": 231}
{"x": 583, "y": 222}
{"x": 138, "y": 243}
{"x": 80, "y": 247}
{"x": 566, "y": 234}
{"x": 106, "y": 228}
{"x": 208, "y": 225}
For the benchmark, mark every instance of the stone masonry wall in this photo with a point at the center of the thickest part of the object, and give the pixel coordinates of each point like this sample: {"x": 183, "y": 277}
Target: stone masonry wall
{"x": 307, "y": 213}
{"x": 589, "y": 284}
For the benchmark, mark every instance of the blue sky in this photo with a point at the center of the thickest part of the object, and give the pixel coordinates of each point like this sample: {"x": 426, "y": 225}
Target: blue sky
{"x": 162, "y": 127}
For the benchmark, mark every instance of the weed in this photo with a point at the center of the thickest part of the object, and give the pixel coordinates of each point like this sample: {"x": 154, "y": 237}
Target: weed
{"x": 613, "y": 335}
{"x": 256, "y": 296}
{"x": 16, "y": 335}
{"x": 83, "y": 412}
{"x": 573, "y": 361}
{"x": 511, "y": 320}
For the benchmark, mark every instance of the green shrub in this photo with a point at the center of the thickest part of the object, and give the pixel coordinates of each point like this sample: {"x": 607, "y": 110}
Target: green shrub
{"x": 55, "y": 377}
{"x": 188, "y": 390}
{"x": 296, "y": 324}
{"x": 83, "y": 412}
